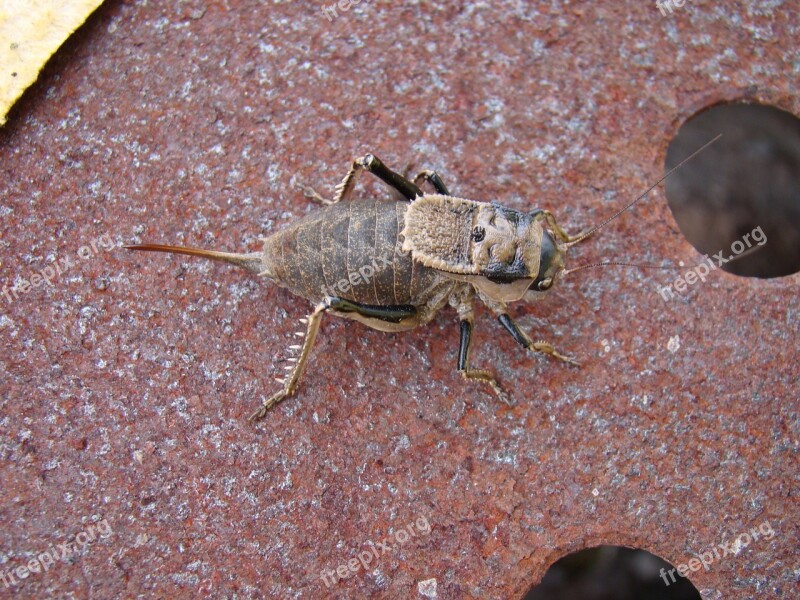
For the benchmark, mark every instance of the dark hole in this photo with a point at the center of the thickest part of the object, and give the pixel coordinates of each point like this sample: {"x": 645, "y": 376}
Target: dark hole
{"x": 612, "y": 573}
{"x": 748, "y": 179}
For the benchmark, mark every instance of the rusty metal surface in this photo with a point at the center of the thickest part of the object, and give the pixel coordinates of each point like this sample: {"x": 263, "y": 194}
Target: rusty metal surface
{"x": 127, "y": 381}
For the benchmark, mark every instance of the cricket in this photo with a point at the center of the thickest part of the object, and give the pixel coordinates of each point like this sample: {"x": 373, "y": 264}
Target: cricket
{"x": 394, "y": 263}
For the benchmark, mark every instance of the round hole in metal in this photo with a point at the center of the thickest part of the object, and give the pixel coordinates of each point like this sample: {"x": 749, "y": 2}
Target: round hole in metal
{"x": 740, "y": 196}
{"x": 612, "y": 573}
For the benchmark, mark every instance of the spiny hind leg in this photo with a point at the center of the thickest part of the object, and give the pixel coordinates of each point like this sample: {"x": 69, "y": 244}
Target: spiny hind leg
{"x": 465, "y": 315}
{"x": 299, "y": 364}
{"x": 390, "y": 314}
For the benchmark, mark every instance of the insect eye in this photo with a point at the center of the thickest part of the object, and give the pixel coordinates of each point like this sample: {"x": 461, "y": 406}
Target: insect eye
{"x": 478, "y": 234}
{"x": 545, "y": 283}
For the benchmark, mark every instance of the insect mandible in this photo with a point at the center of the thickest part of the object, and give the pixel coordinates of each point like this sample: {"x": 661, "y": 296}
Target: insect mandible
{"x": 393, "y": 264}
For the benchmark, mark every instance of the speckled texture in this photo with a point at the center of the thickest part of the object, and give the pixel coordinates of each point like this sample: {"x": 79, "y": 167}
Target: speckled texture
{"x": 126, "y": 383}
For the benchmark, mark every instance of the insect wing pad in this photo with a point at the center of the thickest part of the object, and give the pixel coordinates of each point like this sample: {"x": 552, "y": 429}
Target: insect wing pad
{"x": 438, "y": 232}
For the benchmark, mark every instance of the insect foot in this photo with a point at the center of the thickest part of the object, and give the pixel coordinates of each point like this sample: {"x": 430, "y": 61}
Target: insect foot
{"x": 546, "y": 348}
{"x": 488, "y": 378}
{"x": 262, "y": 412}
{"x": 313, "y": 195}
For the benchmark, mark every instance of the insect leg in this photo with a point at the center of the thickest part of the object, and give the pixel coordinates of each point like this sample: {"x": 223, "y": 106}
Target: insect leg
{"x": 463, "y": 305}
{"x": 391, "y": 313}
{"x": 522, "y": 339}
{"x": 312, "y": 194}
{"x": 545, "y": 215}
{"x": 374, "y": 165}
{"x": 479, "y": 374}
{"x": 433, "y": 178}
{"x": 291, "y": 381}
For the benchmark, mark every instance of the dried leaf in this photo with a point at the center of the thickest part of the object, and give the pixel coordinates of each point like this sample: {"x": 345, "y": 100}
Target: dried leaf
{"x": 30, "y": 33}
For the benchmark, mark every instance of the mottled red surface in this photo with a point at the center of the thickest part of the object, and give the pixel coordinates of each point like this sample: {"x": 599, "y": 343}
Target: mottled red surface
{"x": 127, "y": 382}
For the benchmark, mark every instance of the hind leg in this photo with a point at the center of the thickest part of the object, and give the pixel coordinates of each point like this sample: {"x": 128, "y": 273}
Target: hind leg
{"x": 296, "y": 371}
{"x": 390, "y": 314}
{"x": 374, "y": 165}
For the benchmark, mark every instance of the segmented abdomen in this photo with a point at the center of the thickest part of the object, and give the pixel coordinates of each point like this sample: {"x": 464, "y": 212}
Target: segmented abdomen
{"x": 350, "y": 250}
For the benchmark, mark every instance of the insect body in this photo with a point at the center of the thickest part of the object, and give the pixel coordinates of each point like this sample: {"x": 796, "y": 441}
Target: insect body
{"x": 393, "y": 264}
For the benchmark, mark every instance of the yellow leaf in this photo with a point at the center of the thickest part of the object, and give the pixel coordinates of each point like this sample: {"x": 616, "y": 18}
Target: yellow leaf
{"x": 30, "y": 33}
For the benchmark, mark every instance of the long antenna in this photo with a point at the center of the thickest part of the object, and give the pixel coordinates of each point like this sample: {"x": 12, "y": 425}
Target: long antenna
{"x": 730, "y": 259}
{"x": 583, "y": 236}
{"x": 617, "y": 264}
